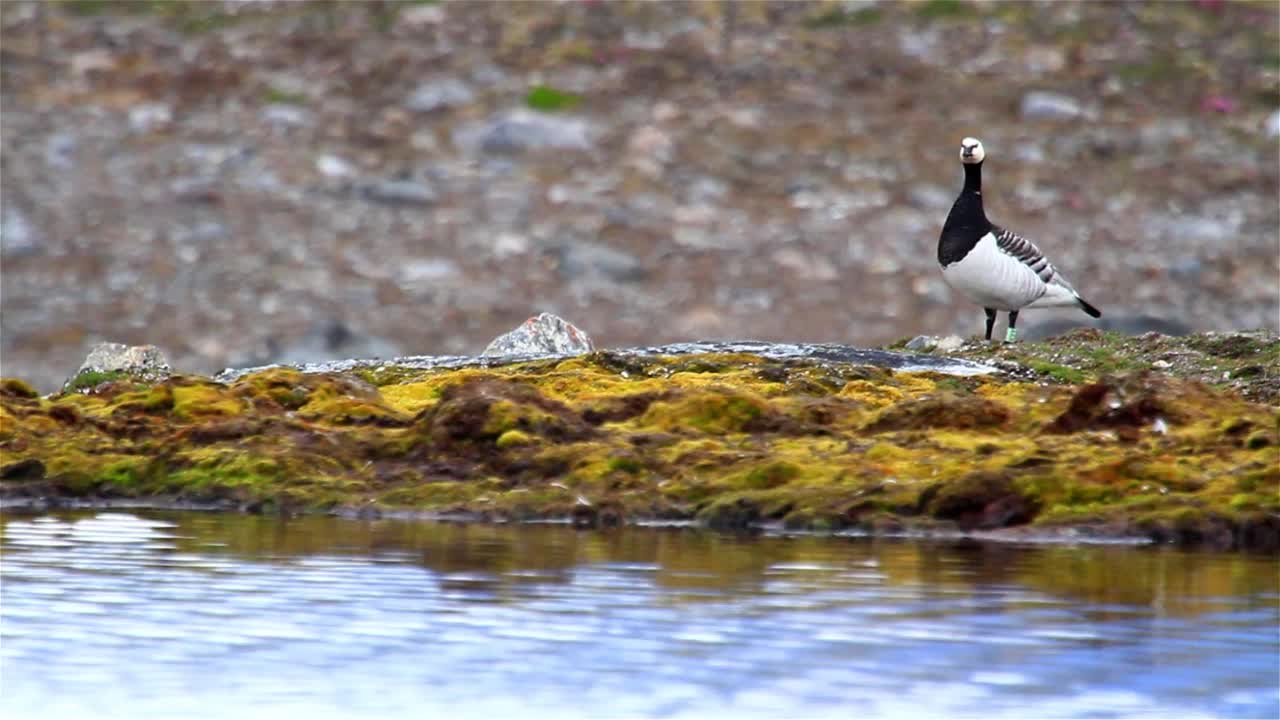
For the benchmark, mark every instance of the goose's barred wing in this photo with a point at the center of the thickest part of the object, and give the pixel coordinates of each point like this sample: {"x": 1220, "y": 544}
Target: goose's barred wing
{"x": 1026, "y": 252}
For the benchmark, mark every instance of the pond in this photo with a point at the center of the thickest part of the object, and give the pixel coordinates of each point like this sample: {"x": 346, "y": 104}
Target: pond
{"x": 150, "y": 614}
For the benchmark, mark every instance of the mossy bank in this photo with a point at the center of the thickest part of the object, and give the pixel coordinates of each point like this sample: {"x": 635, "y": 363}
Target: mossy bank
{"x": 1096, "y": 435}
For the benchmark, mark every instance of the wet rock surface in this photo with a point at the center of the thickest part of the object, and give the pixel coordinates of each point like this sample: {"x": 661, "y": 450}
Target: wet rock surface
{"x": 731, "y": 435}
{"x": 218, "y": 178}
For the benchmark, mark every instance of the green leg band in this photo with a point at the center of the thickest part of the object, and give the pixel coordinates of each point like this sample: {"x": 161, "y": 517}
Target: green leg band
{"x": 1011, "y": 335}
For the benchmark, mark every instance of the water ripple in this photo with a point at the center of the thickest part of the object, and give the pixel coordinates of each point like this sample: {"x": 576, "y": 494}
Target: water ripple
{"x": 122, "y": 615}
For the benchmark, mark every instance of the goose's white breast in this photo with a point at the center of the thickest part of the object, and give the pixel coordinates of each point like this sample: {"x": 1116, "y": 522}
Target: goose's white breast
{"x": 994, "y": 279}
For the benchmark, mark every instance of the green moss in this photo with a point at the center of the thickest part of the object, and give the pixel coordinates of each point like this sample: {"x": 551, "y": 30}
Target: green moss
{"x": 769, "y": 476}
{"x": 943, "y": 9}
{"x": 1061, "y": 373}
{"x": 275, "y": 95}
{"x": 838, "y": 17}
{"x": 548, "y": 99}
{"x": 92, "y": 378}
{"x": 625, "y": 464}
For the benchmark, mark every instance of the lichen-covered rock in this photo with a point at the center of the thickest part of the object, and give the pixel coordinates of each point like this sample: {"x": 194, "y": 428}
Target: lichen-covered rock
{"x": 544, "y": 334}
{"x": 108, "y": 361}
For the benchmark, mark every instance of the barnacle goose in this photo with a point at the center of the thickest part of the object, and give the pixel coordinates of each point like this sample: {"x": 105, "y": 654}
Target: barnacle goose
{"x": 995, "y": 268}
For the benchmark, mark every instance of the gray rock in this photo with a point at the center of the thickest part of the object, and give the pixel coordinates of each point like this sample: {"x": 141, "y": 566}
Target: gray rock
{"x": 17, "y": 236}
{"x": 142, "y": 361}
{"x": 284, "y": 115}
{"x": 59, "y": 151}
{"x": 412, "y": 274}
{"x": 544, "y": 334}
{"x": 195, "y": 189}
{"x": 399, "y": 192}
{"x": 574, "y": 260}
{"x": 1273, "y": 125}
{"x": 921, "y": 342}
{"x": 1040, "y": 105}
{"x": 334, "y": 167}
{"x": 929, "y": 343}
{"x": 950, "y": 343}
{"x": 149, "y": 116}
{"x": 523, "y": 130}
{"x": 439, "y": 94}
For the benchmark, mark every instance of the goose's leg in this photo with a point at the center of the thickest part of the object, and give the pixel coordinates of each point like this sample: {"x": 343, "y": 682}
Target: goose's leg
{"x": 991, "y": 320}
{"x": 1012, "y": 334}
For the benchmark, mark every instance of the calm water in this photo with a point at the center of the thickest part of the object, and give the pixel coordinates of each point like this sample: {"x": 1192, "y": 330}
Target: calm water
{"x": 189, "y": 615}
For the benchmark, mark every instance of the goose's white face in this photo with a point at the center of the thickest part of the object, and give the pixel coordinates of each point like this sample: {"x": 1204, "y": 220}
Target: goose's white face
{"x": 971, "y": 152}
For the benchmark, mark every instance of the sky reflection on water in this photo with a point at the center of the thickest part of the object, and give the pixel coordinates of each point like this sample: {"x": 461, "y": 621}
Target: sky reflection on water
{"x": 155, "y": 614}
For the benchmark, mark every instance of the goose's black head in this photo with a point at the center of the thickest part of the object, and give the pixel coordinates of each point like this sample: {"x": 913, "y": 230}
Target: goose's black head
{"x": 971, "y": 152}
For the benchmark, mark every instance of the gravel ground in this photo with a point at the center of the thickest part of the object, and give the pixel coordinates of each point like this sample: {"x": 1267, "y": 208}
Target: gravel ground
{"x": 245, "y": 182}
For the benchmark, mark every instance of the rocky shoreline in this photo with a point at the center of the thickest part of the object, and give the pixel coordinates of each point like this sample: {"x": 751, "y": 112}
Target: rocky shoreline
{"x": 1089, "y": 436}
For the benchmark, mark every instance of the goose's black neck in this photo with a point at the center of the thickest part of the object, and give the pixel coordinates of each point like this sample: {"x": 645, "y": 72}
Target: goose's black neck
{"x": 967, "y": 221}
{"x": 973, "y": 178}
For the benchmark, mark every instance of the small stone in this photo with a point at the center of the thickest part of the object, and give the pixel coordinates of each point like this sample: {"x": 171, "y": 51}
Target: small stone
{"x": 92, "y": 61}
{"x": 747, "y": 118}
{"x": 426, "y": 270}
{"x": 149, "y": 116}
{"x": 17, "y": 236}
{"x": 439, "y": 94}
{"x": 195, "y": 189}
{"x": 509, "y": 244}
{"x": 665, "y": 112}
{"x": 284, "y": 115}
{"x": 523, "y": 130}
{"x": 583, "y": 258}
{"x": 1045, "y": 59}
{"x": 1040, "y": 105}
{"x": 421, "y": 15}
{"x": 399, "y": 192}
{"x": 543, "y": 334}
{"x": 59, "y": 151}
{"x": 950, "y": 343}
{"x": 144, "y": 361}
{"x": 334, "y": 166}
{"x": 650, "y": 147}
{"x": 1162, "y": 364}
{"x": 1273, "y": 125}
{"x": 921, "y": 342}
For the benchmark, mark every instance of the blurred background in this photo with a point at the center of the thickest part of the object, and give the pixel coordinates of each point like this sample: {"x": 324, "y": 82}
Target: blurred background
{"x": 247, "y": 182}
